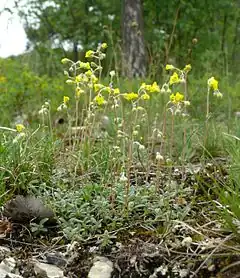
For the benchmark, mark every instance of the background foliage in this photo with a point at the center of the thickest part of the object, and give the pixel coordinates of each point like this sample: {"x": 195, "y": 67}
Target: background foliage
{"x": 203, "y": 33}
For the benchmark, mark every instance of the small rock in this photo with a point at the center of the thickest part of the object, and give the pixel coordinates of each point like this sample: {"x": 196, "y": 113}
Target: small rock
{"x": 56, "y": 259}
{"x": 102, "y": 268}
{"x": 51, "y": 271}
{"x": 4, "y": 250}
{"x": 8, "y": 264}
{"x": 11, "y": 275}
{"x": 5, "y": 274}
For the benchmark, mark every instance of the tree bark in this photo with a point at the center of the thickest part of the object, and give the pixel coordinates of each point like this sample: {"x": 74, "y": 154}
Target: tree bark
{"x": 134, "y": 50}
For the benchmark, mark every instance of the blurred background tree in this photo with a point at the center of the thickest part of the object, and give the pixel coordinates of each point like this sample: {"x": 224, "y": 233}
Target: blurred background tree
{"x": 134, "y": 50}
{"x": 203, "y": 33}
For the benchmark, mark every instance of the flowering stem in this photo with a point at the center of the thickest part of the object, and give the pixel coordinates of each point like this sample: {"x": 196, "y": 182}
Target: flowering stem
{"x": 184, "y": 128}
{"x": 50, "y": 124}
{"x": 76, "y": 124}
{"x": 127, "y": 186}
{"x": 163, "y": 132}
{"x": 172, "y": 135}
{"x": 208, "y": 94}
{"x": 207, "y": 118}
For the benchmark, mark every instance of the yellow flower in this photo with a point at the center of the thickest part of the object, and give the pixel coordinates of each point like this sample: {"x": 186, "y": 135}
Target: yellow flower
{"x": 20, "y": 128}
{"x": 88, "y": 73}
{"x": 130, "y": 96}
{"x": 78, "y": 78}
{"x": 116, "y": 91}
{"x": 94, "y": 79}
{"x": 79, "y": 91}
{"x": 174, "y": 79}
{"x": 177, "y": 98}
{"x": 89, "y": 54}
{"x": 213, "y": 83}
{"x": 150, "y": 88}
{"x": 169, "y": 67}
{"x": 81, "y": 78}
{"x": 83, "y": 65}
{"x": 3, "y": 79}
{"x": 98, "y": 87}
{"x": 104, "y": 45}
{"x": 65, "y": 60}
{"x": 145, "y": 96}
{"x": 65, "y": 99}
{"x": 187, "y": 68}
{"x": 107, "y": 90}
{"x": 143, "y": 86}
{"x": 99, "y": 99}
{"x": 154, "y": 88}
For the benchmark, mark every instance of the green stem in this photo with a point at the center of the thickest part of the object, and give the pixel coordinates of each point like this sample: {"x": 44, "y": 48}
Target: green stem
{"x": 207, "y": 113}
{"x": 172, "y": 135}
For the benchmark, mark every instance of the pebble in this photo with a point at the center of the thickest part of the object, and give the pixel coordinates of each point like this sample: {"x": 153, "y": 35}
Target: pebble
{"x": 102, "y": 268}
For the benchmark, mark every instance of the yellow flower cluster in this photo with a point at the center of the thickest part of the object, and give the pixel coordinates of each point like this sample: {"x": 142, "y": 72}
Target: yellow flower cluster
{"x": 130, "y": 96}
{"x": 169, "y": 67}
{"x": 98, "y": 87}
{"x": 65, "y": 100}
{"x": 78, "y": 92}
{"x": 104, "y": 45}
{"x": 174, "y": 79}
{"x": 99, "y": 99}
{"x": 154, "y": 88}
{"x": 80, "y": 78}
{"x": 65, "y": 60}
{"x": 89, "y": 54}
{"x": 20, "y": 128}
{"x": 187, "y": 68}
{"x": 177, "y": 98}
{"x": 116, "y": 91}
{"x": 88, "y": 79}
{"x": 213, "y": 83}
{"x": 145, "y": 96}
{"x": 83, "y": 65}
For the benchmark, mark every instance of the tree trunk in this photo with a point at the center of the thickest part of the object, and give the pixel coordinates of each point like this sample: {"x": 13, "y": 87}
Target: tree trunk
{"x": 134, "y": 51}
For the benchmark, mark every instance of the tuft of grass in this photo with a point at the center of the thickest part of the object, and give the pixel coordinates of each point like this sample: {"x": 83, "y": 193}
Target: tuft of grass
{"x": 229, "y": 192}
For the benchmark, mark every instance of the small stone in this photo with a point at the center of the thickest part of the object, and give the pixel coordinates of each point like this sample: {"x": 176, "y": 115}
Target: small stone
{"x": 102, "y": 268}
{"x": 4, "y": 250}
{"x": 11, "y": 275}
{"x": 5, "y": 274}
{"x": 56, "y": 259}
{"x": 50, "y": 271}
{"x": 8, "y": 264}
{"x": 211, "y": 267}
